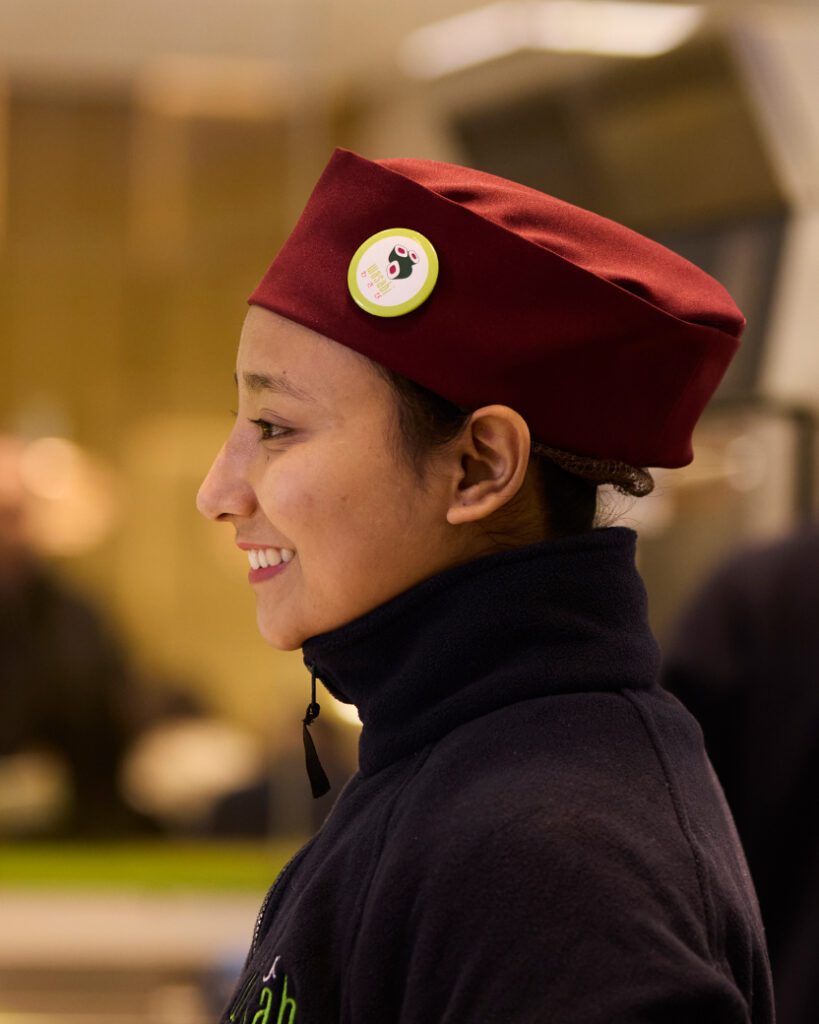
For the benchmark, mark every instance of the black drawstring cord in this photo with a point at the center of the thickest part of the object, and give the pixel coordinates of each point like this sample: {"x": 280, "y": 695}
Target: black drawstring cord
{"x": 319, "y": 783}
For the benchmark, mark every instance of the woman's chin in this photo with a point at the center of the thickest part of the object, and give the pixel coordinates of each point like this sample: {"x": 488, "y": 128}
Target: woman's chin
{"x": 280, "y": 635}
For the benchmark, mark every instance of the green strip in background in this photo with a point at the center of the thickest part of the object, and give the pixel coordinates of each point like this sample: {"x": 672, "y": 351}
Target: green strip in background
{"x": 145, "y": 865}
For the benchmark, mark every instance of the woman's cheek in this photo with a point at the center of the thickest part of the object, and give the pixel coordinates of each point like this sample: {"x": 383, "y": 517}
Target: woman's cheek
{"x": 290, "y": 503}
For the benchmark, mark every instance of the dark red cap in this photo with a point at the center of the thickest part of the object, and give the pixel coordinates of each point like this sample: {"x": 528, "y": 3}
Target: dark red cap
{"x": 608, "y": 344}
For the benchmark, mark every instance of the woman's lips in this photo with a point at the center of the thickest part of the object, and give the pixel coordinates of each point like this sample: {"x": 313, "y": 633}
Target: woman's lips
{"x": 265, "y": 562}
{"x": 259, "y": 575}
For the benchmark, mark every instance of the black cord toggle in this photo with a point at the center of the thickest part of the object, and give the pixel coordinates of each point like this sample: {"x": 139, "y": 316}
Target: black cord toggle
{"x": 319, "y": 783}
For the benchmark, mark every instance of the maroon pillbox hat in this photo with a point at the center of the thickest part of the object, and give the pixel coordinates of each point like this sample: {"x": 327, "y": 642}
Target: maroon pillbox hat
{"x": 608, "y": 344}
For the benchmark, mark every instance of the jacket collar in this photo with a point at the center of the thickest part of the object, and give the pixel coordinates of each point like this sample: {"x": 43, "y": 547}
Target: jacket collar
{"x": 565, "y": 615}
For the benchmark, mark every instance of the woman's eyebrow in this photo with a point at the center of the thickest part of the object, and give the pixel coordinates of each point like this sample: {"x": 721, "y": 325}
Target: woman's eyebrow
{"x": 277, "y": 384}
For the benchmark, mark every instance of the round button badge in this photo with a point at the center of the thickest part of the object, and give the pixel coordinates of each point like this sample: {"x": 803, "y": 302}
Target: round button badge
{"x": 393, "y": 272}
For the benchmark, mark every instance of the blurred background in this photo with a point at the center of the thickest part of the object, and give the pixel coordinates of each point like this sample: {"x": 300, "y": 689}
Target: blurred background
{"x": 153, "y": 156}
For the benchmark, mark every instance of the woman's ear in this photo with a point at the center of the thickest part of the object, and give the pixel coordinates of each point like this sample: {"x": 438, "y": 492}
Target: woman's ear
{"x": 492, "y": 454}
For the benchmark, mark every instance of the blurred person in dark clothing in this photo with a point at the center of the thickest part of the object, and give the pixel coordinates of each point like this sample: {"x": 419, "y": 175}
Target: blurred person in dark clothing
{"x": 745, "y": 660}
{"x": 64, "y": 680}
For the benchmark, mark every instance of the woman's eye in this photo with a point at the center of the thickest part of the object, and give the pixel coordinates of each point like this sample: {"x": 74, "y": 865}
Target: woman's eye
{"x": 270, "y": 431}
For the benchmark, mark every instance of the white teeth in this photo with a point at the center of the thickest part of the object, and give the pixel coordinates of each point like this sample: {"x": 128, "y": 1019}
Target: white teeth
{"x": 262, "y": 558}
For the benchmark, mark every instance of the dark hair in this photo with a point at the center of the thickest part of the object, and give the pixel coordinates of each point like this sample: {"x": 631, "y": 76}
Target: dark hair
{"x": 425, "y": 422}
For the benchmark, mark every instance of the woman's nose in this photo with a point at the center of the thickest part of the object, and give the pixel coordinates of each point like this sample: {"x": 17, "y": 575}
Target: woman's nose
{"x": 225, "y": 491}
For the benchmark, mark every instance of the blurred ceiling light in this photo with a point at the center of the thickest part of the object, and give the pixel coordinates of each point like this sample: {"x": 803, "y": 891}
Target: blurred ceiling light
{"x": 215, "y": 87}
{"x": 464, "y": 40}
{"x": 615, "y": 28}
{"x": 347, "y": 713}
{"x": 745, "y": 463}
{"x": 49, "y": 467}
{"x": 35, "y": 792}
{"x": 4, "y": 159}
{"x": 74, "y": 500}
{"x": 178, "y": 769}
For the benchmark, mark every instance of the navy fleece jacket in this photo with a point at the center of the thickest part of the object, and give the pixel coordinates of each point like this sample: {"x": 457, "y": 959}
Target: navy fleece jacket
{"x": 534, "y": 834}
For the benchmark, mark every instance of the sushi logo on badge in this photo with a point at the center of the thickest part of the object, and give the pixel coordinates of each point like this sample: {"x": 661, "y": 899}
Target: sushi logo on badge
{"x": 393, "y": 272}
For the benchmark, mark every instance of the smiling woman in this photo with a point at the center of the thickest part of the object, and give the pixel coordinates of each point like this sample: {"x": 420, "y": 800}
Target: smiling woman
{"x": 534, "y": 831}
{"x": 320, "y": 478}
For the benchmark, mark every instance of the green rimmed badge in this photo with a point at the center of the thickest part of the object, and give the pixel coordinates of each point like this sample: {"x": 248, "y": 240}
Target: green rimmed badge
{"x": 393, "y": 272}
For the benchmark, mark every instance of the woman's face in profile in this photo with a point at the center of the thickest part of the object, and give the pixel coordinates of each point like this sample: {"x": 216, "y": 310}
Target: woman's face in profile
{"x": 310, "y": 468}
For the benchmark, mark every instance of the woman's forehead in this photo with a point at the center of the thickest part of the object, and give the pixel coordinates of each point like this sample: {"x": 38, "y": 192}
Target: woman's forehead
{"x": 280, "y": 356}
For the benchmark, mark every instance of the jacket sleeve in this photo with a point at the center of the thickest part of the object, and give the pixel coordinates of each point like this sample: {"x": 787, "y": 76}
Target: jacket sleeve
{"x": 558, "y": 923}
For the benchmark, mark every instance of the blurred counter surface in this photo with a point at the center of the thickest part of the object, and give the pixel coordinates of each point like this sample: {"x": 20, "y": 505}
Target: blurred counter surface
{"x": 127, "y": 932}
{"x": 145, "y": 903}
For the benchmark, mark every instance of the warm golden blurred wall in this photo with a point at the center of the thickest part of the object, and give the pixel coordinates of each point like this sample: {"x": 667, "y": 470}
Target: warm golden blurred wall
{"x": 133, "y": 238}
